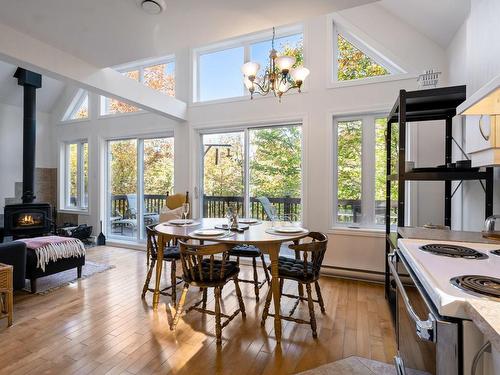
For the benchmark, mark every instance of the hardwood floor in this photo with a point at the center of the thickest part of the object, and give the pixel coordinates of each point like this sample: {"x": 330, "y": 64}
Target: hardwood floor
{"x": 100, "y": 325}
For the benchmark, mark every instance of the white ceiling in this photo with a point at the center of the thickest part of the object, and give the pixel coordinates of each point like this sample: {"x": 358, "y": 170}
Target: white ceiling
{"x": 439, "y": 20}
{"x": 11, "y": 93}
{"x": 111, "y": 32}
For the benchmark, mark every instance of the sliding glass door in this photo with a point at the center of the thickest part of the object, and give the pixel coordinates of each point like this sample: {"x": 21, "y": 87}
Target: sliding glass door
{"x": 140, "y": 174}
{"x": 259, "y": 169}
{"x": 223, "y": 173}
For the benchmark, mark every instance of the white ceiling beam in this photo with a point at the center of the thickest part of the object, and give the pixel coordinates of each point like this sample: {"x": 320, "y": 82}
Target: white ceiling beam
{"x": 29, "y": 53}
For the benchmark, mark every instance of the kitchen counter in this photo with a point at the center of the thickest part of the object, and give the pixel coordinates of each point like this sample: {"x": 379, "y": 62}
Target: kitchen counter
{"x": 486, "y": 316}
{"x": 444, "y": 235}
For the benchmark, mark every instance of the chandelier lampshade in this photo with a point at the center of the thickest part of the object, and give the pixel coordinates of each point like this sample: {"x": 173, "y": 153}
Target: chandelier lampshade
{"x": 281, "y": 75}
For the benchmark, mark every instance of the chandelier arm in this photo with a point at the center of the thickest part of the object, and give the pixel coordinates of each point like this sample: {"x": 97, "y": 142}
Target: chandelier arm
{"x": 261, "y": 88}
{"x": 295, "y": 86}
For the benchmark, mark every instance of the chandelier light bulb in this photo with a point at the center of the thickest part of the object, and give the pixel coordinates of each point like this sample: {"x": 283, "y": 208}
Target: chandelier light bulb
{"x": 250, "y": 69}
{"x": 299, "y": 74}
{"x": 285, "y": 63}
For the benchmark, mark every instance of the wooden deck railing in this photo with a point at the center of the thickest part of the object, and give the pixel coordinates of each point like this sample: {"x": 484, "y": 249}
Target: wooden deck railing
{"x": 215, "y": 206}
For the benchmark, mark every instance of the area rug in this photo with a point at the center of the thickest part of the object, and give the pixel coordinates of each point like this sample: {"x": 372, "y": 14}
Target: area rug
{"x": 50, "y": 283}
{"x": 353, "y": 366}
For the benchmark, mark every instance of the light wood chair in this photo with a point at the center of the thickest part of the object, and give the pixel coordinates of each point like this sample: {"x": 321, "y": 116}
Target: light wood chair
{"x": 171, "y": 254}
{"x": 6, "y": 292}
{"x": 250, "y": 251}
{"x": 304, "y": 269}
{"x": 201, "y": 269}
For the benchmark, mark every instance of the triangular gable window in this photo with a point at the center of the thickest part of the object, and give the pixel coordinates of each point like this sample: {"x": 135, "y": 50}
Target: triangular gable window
{"x": 355, "y": 60}
{"x": 79, "y": 107}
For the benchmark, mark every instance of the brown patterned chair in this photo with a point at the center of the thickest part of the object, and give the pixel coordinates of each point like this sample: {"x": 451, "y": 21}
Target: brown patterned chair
{"x": 201, "y": 269}
{"x": 304, "y": 269}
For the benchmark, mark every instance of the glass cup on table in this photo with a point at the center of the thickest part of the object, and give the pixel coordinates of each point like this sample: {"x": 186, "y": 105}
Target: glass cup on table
{"x": 185, "y": 212}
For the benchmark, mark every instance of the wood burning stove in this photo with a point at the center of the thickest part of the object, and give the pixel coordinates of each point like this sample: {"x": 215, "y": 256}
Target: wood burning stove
{"x": 30, "y": 219}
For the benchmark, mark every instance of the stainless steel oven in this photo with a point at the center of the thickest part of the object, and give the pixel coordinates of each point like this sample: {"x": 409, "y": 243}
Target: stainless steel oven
{"x": 427, "y": 342}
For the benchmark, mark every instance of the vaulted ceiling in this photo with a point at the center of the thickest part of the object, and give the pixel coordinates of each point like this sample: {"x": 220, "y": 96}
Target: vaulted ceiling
{"x": 111, "y": 32}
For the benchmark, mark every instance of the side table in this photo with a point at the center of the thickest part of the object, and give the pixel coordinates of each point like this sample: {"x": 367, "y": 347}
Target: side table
{"x": 6, "y": 293}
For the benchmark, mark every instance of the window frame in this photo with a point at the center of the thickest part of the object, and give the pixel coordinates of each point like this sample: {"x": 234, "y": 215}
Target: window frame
{"x": 66, "y": 188}
{"x": 338, "y": 25}
{"x": 246, "y": 42}
{"x": 245, "y": 129}
{"x": 140, "y": 138}
{"x": 368, "y": 170}
{"x": 74, "y": 105}
{"x": 136, "y": 65}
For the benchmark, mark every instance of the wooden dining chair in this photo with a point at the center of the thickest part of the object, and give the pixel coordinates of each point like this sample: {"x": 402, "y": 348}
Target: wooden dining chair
{"x": 304, "y": 269}
{"x": 202, "y": 269}
{"x": 253, "y": 252}
{"x": 171, "y": 254}
{"x": 176, "y": 200}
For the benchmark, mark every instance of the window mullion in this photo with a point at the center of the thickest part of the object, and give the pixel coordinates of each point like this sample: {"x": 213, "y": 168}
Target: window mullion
{"x": 246, "y": 173}
{"x": 140, "y": 187}
{"x": 368, "y": 171}
{"x": 79, "y": 172}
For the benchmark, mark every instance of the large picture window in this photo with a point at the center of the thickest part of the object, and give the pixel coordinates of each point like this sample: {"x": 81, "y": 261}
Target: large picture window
{"x": 76, "y": 175}
{"x": 360, "y": 170}
{"x": 218, "y": 74}
{"x": 246, "y": 166}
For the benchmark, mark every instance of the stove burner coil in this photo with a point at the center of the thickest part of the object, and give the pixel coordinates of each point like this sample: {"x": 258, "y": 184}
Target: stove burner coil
{"x": 453, "y": 251}
{"x": 495, "y": 252}
{"x": 477, "y": 284}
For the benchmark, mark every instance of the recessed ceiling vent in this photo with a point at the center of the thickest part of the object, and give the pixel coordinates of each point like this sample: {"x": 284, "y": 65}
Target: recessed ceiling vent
{"x": 152, "y": 6}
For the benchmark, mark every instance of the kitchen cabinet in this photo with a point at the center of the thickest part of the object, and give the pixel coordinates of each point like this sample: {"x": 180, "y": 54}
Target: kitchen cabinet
{"x": 482, "y": 139}
{"x": 482, "y": 124}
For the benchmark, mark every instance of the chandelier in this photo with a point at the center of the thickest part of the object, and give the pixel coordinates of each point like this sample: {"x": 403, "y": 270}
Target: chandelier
{"x": 279, "y": 77}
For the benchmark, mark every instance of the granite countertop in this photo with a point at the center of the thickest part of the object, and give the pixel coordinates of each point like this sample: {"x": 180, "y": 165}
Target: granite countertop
{"x": 486, "y": 316}
{"x": 444, "y": 235}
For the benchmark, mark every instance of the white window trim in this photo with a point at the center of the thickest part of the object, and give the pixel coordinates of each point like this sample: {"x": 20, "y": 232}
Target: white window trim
{"x": 64, "y": 178}
{"x": 124, "y": 68}
{"x": 242, "y": 41}
{"x": 204, "y": 129}
{"x": 74, "y": 105}
{"x": 367, "y": 174}
{"x": 338, "y": 24}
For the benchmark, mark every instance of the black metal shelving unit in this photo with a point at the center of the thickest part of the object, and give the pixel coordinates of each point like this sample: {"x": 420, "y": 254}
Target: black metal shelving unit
{"x": 418, "y": 106}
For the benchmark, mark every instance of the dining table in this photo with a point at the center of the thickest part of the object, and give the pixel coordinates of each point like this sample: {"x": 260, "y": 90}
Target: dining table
{"x": 259, "y": 234}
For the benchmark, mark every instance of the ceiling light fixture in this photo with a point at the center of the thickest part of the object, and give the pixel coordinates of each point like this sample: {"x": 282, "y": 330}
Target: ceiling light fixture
{"x": 152, "y": 7}
{"x": 280, "y": 76}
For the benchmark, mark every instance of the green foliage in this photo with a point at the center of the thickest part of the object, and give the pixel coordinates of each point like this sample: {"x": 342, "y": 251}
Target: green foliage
{"x": 354, "y": 64}
{"x": 158, "y": 166}
{"x": 349, "y": 143}
{"x": 276, "y": 162}
{"x": 380, "y": 158}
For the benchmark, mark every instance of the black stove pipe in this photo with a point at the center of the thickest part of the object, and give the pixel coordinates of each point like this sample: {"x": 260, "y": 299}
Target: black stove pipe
{"x": 30, "y": 82}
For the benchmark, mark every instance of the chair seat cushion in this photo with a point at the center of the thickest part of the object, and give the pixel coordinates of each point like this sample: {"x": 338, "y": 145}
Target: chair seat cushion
{"x": 245, "y": 251}
{"x": 230, "y": 269}
{"x": 293, "y": 268}
{"x": 170, "y": 253}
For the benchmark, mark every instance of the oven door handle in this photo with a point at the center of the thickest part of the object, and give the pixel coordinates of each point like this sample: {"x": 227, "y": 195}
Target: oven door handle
{"x": 425, "y": 328}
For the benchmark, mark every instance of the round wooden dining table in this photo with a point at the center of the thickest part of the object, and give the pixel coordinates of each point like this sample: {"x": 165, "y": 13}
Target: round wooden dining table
{"x": 257, "y": 235}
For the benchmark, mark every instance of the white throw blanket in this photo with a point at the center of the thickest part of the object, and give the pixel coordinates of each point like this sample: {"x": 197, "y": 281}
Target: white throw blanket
{"x": 52, "y": 248}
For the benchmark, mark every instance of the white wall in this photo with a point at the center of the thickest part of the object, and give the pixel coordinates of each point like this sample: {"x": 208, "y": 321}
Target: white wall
{"x": 315, "y": 107}
{"x": 474, "y": 59}
{"x": 11, "y": 147}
